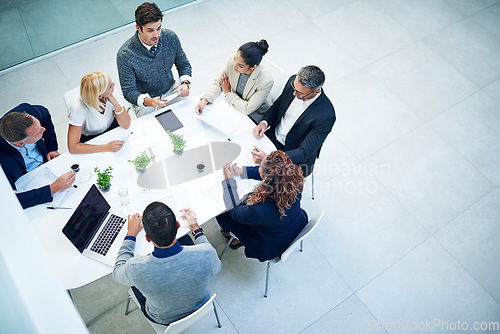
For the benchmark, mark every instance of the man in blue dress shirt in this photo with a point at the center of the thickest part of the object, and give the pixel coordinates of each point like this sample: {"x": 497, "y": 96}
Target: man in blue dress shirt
{"x": 27, "y": 140}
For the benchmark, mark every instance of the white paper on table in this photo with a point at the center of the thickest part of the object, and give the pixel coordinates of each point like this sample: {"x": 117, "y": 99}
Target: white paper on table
{"x": 247, "y": 141}
{"x": 221, "y": 116}
{"x": 38, "y": 178}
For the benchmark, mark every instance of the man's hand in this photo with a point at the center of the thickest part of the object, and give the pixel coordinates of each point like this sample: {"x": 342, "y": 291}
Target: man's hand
{"x": 189, "y": 216}
{"x": 63, "y": 182}
{"x": 114, "y": 146}
{"x": 224, "y": 83}
{"x": 134, "y": 225}
{"x": 259, "y": 130}
{"x": 52, "y": 154}
{"x": 258, "y": 155}
{"x": 199, "y": 108}
{"x": 155, "y": 102}
{"x": 183, "y": 90}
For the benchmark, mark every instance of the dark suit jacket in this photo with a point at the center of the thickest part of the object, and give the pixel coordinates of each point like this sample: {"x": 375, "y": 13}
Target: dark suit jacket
{"x": 13, "y": 163}
{"x": 306, "y": 136}
{"x": 260, "y": 226}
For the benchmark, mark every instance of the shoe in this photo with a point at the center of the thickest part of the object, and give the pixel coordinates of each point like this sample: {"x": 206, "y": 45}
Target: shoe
{"x": 225, "y": 235}
{"x": 237, "y": 245}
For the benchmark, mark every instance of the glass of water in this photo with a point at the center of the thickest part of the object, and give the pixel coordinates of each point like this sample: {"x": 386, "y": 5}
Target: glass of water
{"x": 123, "y": 192}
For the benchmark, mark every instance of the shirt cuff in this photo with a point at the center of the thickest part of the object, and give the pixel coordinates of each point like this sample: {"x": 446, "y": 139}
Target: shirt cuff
{"x": 186, "y": 78}
{"x": 130, "y": 237}
{"x": 140, "y": 100}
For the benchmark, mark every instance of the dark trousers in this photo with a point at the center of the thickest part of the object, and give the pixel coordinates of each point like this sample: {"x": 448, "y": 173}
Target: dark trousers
{"x": 185, "y": 241}
{"x": 84, "y": 138}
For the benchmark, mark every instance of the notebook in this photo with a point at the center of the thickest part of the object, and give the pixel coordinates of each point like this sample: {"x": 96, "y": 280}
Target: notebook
{"x": 94, "y": 230}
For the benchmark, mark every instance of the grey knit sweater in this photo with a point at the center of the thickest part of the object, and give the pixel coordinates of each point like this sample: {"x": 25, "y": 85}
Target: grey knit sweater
{"x": 142, "y": 72}
{"x": 174, "y": 285}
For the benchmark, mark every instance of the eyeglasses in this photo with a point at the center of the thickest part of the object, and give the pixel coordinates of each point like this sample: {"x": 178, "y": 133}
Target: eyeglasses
{"x": 299, "y": 94}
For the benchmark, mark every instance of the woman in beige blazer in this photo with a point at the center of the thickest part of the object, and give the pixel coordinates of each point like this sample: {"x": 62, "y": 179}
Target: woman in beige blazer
{"x": 244, "y": 83}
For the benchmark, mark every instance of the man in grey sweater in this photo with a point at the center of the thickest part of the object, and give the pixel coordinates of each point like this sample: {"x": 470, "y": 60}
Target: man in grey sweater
{"x": 145, "y": 62}
{"x": 171, "y": 282}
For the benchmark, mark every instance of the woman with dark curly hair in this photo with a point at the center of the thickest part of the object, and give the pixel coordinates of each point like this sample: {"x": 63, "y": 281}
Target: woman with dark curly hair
{"x": 267, "y": 220}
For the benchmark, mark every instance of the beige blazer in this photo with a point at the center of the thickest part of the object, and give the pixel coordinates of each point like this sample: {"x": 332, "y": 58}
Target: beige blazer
{"x": 255, "y": 95}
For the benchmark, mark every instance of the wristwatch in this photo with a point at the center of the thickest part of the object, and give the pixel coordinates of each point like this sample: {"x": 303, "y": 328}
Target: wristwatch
{"x": 186, "y": 82}
{"x": 198, "y": 230}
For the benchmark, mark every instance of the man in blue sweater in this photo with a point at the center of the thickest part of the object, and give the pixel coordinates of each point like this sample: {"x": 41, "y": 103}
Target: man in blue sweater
{"x": 171, "y": 282}
{"x": 145, "y": 62}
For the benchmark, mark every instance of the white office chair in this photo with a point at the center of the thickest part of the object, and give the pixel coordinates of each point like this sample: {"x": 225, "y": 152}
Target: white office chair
{"x": 70, "y": 96}
{"x": 278, "y": 76}
{"x": 183, "y": 323}
{"x": 310, "y": 226}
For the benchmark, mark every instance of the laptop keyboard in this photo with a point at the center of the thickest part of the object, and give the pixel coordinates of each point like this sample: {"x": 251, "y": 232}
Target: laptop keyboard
{"x": 108, "y": 235}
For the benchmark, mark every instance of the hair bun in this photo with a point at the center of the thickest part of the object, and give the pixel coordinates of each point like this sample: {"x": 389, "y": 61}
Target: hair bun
{"x": 263, "y": 46}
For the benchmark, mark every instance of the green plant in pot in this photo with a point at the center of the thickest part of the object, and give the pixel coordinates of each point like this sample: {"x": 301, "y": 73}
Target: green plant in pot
{"x": 104, "y": 178}
{"x": 141, "y": 162}
{"x": 178, "y": 141}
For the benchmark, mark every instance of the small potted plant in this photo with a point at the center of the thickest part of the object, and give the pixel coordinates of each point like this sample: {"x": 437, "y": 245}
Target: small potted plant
{"x": 178, "y": 141}
{"x": 141, "y": 162}
{"x": 104, "y": 178}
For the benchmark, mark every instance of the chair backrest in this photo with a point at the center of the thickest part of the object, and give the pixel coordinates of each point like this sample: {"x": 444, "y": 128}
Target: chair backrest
{"x": 70, "y": 96}
{"x": 183, "y": 323}
{"x": 278, "y": 76}
{"x": 310, "y": 226}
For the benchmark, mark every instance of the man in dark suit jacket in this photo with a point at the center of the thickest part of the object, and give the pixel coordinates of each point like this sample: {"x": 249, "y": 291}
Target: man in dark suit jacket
{"x": 300, "y": 119}
{"x": 27, "y": 140}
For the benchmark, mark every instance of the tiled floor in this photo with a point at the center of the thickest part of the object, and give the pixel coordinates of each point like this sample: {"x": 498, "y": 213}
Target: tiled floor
{"x": 409, "y": 178}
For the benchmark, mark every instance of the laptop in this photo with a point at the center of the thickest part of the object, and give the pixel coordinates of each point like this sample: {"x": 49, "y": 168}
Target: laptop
{"x": 94, "y": 230}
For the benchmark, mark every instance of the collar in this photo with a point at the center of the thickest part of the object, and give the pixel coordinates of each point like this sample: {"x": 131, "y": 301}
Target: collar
{"x": 167, "y": 252}
{"x": 309, "y": 102}
{"x": 148, "y": 47}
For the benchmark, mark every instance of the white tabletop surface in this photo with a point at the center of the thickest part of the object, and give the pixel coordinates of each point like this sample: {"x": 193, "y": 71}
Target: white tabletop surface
{"x": 203, "y": 195}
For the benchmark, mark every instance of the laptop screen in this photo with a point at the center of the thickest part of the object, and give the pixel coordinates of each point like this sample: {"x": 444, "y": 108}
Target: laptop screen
{"x": 87, "y": 218}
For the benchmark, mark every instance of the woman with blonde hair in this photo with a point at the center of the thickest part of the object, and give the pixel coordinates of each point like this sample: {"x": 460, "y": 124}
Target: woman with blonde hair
{"x": 94, "y": 112}
{"x": 267, "y": 220}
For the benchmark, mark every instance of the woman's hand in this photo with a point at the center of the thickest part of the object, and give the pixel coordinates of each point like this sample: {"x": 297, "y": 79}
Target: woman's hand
{"x": 199, "y": 108}
{"x": 228, "y": 171}
{"x": 114, "y": 146}
{"x": 224, "y": 83}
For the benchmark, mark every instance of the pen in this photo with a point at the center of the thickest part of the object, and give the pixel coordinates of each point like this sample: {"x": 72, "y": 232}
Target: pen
{"x": 189, "y": 213}
{"x": 57, "y": 207}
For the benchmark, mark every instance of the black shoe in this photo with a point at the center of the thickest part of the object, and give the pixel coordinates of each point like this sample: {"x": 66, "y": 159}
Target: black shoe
{"x": 237, "y": 245}
{"x": 225, "y": 235}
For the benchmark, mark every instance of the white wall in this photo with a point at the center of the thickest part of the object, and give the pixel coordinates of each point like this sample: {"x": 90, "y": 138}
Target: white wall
{"x": 33, "y": 299}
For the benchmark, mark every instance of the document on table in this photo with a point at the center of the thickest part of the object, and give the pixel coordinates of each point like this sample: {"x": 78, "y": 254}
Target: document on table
{"x": 221, "y": 116}
{"x": 40, "y": 177}
{"x": 247, "y": 141}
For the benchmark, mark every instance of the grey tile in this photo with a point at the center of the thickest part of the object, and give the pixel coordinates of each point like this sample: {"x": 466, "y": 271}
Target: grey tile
{"x": 471, "y": 49}
{"x": 428, "y": 287}
{"x": 317, "y": 8}
{"x": 98, "y": 297}
{"x": 488, "y": 19}
{"x": 364, "y": 31}
{"x": 363, "y": 109}
{"x": 472, "y": 128}
{"x": 423, "y": 80}
{"x": 430, "y": 178}
{"x": 40, "y": 83}
{"x": 472, "y": 7}
{"x": 304, "y": 285}
{"x": 473, "y": 239}
{"x": 493, "y": 90}
{"x": 349, "y": 317}
{"x": 438, "y": 14}
{"x": 365, "y": 229}
{"x": 321, "y": 51}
